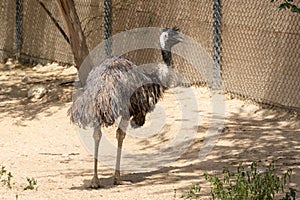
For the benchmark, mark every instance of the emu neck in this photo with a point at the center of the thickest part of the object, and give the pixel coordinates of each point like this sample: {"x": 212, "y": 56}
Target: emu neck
{"x": 167, "y": 57}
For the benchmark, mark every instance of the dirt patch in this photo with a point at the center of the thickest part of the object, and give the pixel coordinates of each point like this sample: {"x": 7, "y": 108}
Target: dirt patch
{"x": 38, "y": 141}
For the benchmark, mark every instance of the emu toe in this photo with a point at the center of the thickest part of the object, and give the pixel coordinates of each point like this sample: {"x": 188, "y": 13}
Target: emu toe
{"x": 95, "y": 183}
{"x": 119, "y": 182}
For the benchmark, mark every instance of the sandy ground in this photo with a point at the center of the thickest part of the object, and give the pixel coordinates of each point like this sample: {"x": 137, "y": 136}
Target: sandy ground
{"x": 38, "y": 141}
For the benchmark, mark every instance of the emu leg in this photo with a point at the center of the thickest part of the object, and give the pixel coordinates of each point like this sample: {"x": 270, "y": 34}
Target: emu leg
{"x": 120, "y": 135}
{"x": 97, "y": 137}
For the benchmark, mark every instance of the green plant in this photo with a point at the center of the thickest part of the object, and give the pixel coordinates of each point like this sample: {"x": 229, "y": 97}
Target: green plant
{"x": 193, "y": 192}
{"x": 288, "y": 4}
{"x": 250, "y": 184}
{"x": 290, "y": 195}
{"x": 32, "y": 183}
{"x": 7, "y": 180}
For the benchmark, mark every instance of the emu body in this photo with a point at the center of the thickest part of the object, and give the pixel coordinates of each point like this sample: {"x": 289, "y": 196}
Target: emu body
{"x": 118, "y": 88}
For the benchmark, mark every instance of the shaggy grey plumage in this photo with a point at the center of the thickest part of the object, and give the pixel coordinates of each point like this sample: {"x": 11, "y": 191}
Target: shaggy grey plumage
{"x": 118, "y": 88}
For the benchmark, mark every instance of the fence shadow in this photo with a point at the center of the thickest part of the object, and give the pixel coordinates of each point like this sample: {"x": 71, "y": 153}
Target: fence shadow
{"x": 13, "y": 91}
{"x": 263, "y": 136}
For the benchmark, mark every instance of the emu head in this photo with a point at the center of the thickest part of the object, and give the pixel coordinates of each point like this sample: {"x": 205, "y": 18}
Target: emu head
{"x": 169, "y": 37}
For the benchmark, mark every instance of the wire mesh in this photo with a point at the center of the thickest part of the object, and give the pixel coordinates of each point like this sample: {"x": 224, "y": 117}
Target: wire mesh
{"x": 8, "y": 29}
{"x": 261, "y": 52}
{"x": 260, "y": 43}
{"x": 194, "y": 18}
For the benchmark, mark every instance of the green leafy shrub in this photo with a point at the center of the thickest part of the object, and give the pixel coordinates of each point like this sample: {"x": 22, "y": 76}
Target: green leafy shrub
{"x": 250, "y": 184}
{"x": 247, "y": 185}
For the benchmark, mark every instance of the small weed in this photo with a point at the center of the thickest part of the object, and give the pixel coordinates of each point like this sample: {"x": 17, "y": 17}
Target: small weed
{"x": 193, "y": 192}
{"x": 32, "y": 183}
{"x": 6, "y": 180}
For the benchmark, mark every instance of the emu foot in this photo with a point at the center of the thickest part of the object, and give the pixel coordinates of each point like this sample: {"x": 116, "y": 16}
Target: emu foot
{"x": 95, "y": 183}
{"x": 117, "y": 181}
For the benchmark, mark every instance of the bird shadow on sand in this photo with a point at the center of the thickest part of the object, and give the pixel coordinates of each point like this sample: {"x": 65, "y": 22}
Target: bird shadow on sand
{"x": 263, "y": 136}
{"x": 130, "y": 180}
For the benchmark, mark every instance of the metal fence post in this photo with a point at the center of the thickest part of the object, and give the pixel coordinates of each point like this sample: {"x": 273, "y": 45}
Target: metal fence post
{"x": 217, "y": 42}
{"x": 19, "y": 31}
{"x": 107, "y": 26}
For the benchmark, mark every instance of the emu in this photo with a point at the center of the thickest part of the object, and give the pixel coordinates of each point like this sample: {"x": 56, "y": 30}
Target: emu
{"x": 118, "y": 88}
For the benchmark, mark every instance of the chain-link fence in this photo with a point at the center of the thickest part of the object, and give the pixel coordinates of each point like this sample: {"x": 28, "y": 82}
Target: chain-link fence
{"x": 8, "y": 28}
{"x": 260, "y": 43}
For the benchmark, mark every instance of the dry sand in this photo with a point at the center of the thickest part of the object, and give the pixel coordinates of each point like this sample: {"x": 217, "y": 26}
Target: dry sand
{"x": 38, "y": 141}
